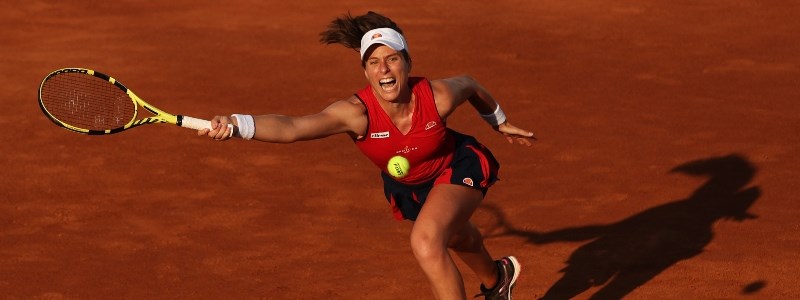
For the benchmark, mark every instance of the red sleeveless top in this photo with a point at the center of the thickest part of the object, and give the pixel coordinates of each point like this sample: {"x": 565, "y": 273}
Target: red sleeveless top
{"x": 428, "y": 146}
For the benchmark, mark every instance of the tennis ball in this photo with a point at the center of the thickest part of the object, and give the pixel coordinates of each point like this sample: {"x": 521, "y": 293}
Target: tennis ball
{"x": 398, "y": 166}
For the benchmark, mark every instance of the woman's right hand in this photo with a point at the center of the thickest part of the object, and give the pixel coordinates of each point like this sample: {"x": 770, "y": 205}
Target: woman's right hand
{"x": 220, "y": 130}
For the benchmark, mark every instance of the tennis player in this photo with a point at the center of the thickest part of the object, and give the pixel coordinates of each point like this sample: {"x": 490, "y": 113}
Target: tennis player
{"x": 395, "y": 114}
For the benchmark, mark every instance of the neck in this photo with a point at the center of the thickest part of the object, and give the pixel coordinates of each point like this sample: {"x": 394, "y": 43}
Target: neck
{"x": 403, "y": 106}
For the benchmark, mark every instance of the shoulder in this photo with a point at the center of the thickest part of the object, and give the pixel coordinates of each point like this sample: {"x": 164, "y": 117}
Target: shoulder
{"x": 447, "y": 89}
{"x": 349, "y": 107}
{"x": 450, "y": 92}
{"x": 351, "y": 113}
{"x": 452, "y": 86}
{"x": 441, "y": 87}
{"x": 453, "y": 83}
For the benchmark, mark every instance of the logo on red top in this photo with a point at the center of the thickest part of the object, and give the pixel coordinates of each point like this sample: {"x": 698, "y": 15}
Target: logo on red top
{"x": 430, "y": 125}
{"x": 379, "y": 135}
{"x": 406, "y": 149}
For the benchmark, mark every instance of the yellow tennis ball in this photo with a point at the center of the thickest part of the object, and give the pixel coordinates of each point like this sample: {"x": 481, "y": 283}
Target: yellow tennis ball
{"x": 398, "y": 166}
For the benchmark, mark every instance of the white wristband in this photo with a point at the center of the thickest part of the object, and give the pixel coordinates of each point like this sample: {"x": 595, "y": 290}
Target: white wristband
{"x": 496, "y": 118}
{"x": 247, "y": 126}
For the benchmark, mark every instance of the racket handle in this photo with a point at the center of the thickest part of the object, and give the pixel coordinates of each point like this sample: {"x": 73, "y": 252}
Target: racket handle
{"x": 198, "y": 124}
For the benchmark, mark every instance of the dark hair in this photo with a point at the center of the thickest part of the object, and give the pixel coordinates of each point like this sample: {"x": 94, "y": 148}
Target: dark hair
{"x": 348, "y": 30}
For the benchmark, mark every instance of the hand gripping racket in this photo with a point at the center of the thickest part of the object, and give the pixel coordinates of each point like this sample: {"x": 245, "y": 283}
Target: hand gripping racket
{"x": 90, "y": 102}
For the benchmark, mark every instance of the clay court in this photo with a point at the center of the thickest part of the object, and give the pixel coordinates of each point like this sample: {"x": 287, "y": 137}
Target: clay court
{"x": 666, "y": 166}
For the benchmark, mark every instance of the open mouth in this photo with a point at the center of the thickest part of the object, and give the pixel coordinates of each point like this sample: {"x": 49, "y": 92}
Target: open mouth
{"x": 388, "y": 83}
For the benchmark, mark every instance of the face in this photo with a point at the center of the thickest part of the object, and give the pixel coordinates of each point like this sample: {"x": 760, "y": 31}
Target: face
{"x": 387, "y": 73}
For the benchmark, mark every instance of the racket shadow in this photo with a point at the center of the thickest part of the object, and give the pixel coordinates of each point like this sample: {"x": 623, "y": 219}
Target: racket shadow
{"x": 622, "y": 256}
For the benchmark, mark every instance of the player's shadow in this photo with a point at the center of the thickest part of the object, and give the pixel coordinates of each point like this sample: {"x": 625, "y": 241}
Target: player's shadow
{"x": 624, "y": 255}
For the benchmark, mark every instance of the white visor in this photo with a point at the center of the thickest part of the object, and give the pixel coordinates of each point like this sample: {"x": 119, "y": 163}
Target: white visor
{"x": 385, "y": 36}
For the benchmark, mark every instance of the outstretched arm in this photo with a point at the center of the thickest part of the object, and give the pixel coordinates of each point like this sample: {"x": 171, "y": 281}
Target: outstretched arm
{"x": 345, "y": 116}
{"x": 452, "y": 92}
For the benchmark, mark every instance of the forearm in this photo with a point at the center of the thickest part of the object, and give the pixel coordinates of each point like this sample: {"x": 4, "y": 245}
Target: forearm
{"x": 276, "y": 129}
{"x": 273, "y": 129}
{"x": 481, "y": 99}
{"x": 486, "y": 105}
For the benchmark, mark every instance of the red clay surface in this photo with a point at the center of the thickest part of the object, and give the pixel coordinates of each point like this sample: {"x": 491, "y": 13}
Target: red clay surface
{"x": 628, "y": 98}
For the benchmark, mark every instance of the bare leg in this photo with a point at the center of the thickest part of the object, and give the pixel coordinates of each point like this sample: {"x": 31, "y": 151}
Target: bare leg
{"x": 468, "y": 245}
{"x": 446, "y": 212}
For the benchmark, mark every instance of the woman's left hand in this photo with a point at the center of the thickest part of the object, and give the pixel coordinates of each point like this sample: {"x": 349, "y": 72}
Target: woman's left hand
{"x": 514, "y": 133}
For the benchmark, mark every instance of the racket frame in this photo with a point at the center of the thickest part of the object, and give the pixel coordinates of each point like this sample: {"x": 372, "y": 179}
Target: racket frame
{"x": 160, "y": 116}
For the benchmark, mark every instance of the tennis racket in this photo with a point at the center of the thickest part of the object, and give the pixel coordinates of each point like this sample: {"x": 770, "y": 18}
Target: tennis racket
{"x": 90, "y": 102}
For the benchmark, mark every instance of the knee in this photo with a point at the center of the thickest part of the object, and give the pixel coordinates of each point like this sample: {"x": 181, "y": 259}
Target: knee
{"x": 426, "y": 246}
